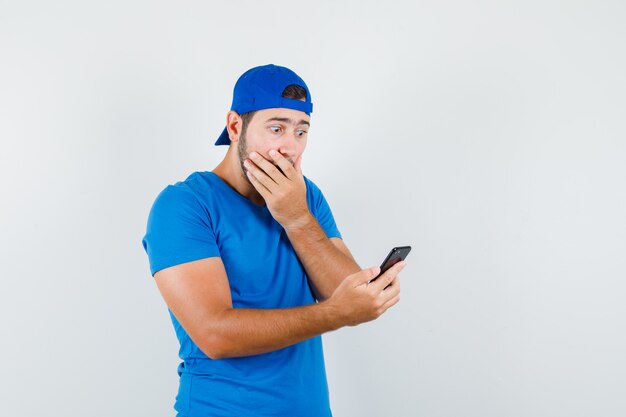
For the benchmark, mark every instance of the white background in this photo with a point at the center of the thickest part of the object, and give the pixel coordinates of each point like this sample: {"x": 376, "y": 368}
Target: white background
{"x": 488, "y": 135}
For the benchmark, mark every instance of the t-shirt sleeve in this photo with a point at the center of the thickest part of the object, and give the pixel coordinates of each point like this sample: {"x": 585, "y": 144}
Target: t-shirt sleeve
{"x": 322, "y": 212}
{"x": 179, "y": 230}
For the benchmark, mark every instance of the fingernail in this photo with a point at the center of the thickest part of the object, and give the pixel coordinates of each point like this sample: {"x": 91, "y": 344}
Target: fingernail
{"x": 273, "y": 152}
{"x": 253, "y": 155}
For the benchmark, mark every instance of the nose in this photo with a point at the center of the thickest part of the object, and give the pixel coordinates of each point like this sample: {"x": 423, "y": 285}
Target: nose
{"x": 289, "y": 148}
{"x": 289, "y": 155}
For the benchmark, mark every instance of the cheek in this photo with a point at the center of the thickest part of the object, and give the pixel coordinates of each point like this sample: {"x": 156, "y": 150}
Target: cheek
{"x": 257, "y": 143}
{"x": 265, "y": 151}
{"x": 264, "y": 146}
{"x": 299, "y": 151}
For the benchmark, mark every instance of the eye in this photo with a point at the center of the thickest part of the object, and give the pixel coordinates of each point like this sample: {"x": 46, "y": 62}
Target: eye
{"x": 275, "y": 129}
{"x": 301, "y": 132}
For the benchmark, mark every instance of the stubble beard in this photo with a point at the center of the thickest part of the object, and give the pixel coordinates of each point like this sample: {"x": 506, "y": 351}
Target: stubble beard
{"x": 242, "y": 153}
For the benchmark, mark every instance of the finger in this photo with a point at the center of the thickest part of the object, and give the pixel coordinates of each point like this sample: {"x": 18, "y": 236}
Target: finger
{"x": 386, "y": 278}
{"x": 270, "y": 169}
{"x": 283, "y": 163}
{"x": 391, "y": 290}
{"x": 261, "y": 176}
{"x": 298, "y": 164}
{"x": 265, "y": 193}
{"x": 364, "y": 276}
{"x": 394, "y": 283}
{"x": 391, "y": 302}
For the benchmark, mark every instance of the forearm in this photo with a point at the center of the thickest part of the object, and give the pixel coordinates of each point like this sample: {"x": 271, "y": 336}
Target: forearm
{"x": 247, "y": 331}
{"x": 325, "y": 265}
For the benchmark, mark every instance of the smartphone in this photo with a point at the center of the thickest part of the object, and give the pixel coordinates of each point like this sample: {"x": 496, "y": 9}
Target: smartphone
{"x": 396, "y": 255}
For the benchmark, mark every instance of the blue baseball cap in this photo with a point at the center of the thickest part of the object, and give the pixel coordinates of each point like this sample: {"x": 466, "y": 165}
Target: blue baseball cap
{"x": 262, "y": 88}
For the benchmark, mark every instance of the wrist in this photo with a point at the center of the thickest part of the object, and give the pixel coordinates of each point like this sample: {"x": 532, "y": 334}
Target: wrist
{"x": 300, "y": 223}
{"x": 332, "y": 314}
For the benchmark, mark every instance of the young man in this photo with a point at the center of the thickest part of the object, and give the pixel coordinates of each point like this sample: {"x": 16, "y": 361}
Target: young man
{"x": 242, "y": 253}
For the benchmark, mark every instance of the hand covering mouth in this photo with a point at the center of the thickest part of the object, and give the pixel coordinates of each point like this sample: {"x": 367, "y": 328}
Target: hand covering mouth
{"x": 280, "y": 169}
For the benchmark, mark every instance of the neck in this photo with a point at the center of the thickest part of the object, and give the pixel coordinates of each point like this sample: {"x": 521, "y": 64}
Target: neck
{"x": 230, "y": 172}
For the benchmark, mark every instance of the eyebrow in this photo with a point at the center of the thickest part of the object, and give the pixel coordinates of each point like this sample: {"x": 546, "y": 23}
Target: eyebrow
{"x": 287, "y": 120}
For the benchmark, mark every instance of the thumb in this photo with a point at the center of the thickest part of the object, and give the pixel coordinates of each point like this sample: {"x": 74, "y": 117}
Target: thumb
{"x": 366, "y": 275}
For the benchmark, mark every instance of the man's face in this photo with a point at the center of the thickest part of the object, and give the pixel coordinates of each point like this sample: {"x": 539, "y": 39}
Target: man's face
{"x": 284, "y": 130}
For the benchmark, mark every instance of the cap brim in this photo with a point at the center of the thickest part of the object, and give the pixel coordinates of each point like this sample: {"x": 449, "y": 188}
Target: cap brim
{"x": 224, "y": 139}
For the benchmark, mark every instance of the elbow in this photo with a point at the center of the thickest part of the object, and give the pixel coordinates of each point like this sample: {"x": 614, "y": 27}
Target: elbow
{"x": 214, "y": 347}
{"x": 214, "y": 341}
{"x": 321, "y": 298}
{"x": 214, "y": 355}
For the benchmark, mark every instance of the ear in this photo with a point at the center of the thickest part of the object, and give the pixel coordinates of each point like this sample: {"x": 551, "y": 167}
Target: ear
{"x": 233, "y": 125}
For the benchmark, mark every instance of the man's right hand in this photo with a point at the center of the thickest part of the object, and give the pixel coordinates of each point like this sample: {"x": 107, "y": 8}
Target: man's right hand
{"x": 198, "y": 294}
{"x": 357, "y": 301}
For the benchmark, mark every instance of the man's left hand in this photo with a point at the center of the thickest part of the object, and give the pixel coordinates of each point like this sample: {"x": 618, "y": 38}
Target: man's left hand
{"x": 284, "y": 194}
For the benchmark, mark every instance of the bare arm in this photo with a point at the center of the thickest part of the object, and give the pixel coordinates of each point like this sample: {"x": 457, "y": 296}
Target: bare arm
{"x": 198, "y": 295}
{"x": 326, "y": 261}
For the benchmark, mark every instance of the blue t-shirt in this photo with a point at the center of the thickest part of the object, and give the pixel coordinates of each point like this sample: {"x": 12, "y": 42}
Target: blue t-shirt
{"x": 203, "y": 217}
